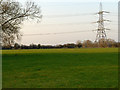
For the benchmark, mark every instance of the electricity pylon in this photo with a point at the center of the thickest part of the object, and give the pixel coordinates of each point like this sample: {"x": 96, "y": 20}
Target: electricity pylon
{"x": 101, "y": 34}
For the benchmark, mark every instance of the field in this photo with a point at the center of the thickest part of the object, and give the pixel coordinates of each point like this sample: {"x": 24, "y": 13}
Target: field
{"x": 60, "y": 68}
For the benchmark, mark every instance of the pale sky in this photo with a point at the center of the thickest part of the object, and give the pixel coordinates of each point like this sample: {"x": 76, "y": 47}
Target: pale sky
{"x": 69, "y": 16}
{"x": 70, "y": 0}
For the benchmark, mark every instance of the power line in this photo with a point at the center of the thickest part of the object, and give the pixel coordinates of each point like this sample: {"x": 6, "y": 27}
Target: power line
{"x": 66, "y": 15}
{"x": 59, "y": 33}
{"x": 79, "y": 23}
{"x": 73, "y": 15}
{"x": 55, "y": 33}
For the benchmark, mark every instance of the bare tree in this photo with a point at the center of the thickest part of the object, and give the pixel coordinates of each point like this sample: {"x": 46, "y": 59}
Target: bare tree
{"x": 111, "y": 42}
{"x": 12, "y": 15}
{"x": 79, "y": 44}
{"x": 103, "y": 43}
{"x": 87, "y": 43}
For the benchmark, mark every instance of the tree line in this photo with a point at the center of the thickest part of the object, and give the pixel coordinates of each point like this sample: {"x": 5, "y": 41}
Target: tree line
{"x": 85, "y": 44}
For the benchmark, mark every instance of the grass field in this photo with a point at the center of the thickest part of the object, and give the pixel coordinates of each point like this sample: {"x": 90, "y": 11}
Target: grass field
{"x": 60, "y": 68}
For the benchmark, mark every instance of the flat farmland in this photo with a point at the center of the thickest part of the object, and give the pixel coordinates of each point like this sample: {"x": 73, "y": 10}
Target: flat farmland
{"x": 60, "y": 68}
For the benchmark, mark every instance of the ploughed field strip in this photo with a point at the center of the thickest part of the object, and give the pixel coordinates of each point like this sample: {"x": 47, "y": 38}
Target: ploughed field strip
{"x": 60, "y": 68}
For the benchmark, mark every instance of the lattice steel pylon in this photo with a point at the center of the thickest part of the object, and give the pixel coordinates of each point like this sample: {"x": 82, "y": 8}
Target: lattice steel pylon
{"x": 101, "y": 34}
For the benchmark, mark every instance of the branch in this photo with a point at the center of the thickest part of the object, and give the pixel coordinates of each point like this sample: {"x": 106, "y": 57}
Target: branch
{"x": 31, "y": 11}
{"x": 14, "y": 19}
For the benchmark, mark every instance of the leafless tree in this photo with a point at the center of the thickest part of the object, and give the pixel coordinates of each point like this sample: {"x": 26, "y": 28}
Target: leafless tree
{"x": 103, "y": 43}
{"x": 111, "y": 42}
{"x": 79, "y": 44}
{"x": 12, "y": 15}
{"x": 87, "y": 43}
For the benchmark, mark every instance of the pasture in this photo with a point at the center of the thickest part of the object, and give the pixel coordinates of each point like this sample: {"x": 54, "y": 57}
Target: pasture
{"x": 60, "y": 68}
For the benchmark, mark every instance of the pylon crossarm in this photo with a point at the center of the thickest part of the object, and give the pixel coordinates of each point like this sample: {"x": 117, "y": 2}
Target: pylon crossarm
{"x": 107, "y": 29}
{"x": 103, "y": 21}
{"x": 107, "y": 20}
{"x": 101, "y": 12}
{"x": 106, "y": 12}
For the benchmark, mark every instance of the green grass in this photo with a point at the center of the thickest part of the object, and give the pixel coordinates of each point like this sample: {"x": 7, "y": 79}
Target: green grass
{"x": 82, "y": 50}
{"x": 61, "y": 68}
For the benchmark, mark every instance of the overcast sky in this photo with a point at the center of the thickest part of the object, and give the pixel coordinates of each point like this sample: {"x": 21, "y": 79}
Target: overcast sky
{"x": 70, "y": 0}
{"x": 61, "y": 16}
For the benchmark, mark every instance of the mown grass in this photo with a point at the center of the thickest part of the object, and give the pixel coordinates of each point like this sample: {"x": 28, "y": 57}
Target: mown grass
{"x": 60, "y": 68}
